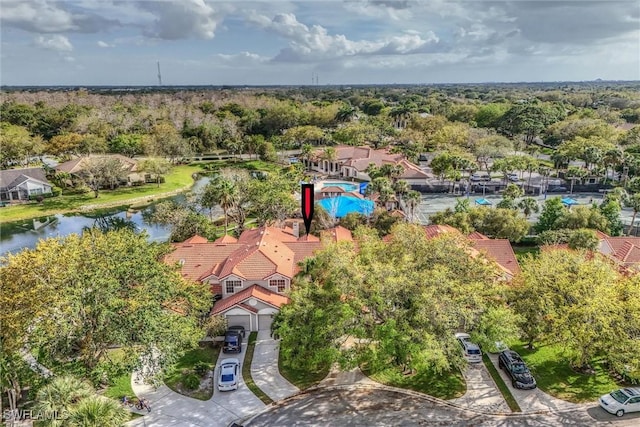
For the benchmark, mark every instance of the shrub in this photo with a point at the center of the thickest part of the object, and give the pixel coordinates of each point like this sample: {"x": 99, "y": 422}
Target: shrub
{"x": 191, "y": 381}
{"x": 201, "y": 368}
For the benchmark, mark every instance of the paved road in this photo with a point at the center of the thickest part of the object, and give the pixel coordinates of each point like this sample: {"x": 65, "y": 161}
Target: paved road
{"x": 367, "y": 406}
{"x": 264, "y": 369}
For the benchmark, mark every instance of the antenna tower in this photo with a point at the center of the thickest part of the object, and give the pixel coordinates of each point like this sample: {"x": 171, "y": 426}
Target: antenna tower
{"x": 159, "y": 75}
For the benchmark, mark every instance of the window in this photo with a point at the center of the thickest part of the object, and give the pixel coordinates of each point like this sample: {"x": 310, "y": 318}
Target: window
{"x": 231, "y": 284}
{"x": 35, "y": 191}
{"x": 281, "y": 284}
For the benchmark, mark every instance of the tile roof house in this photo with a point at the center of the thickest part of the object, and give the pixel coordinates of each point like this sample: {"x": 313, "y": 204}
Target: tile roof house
{"x": 252, "y": 273}
{"x": 19, "y": 184}
{"x": 623, "y": 250}
{"x": 77, "y": 165}
{"x": 497, "y": 250}
{"x": 351, "y": 162}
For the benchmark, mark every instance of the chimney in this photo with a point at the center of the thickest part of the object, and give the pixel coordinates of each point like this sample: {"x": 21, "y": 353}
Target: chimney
{"x": 296, "y": 229}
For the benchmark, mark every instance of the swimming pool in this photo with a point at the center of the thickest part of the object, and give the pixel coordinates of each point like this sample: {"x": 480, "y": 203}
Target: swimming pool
{"x": 346, "y": 186}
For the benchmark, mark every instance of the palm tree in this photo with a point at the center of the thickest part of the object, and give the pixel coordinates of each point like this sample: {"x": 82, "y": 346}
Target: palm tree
{"x": 634, "y": 203}
{"x": 412, "y": 199}
{"x": 61, "y": 395}
{"x": 401, "y": 187}
{"x": 612, "y": 158}
{"x": 220, "y": 191}
{"x": 345, "y": 113}
{"x": 306, "y": 154}
{"x": 98, "y": 411}
{"x": 528, "y": 206}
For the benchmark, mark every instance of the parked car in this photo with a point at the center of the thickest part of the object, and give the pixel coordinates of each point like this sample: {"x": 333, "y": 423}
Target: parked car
{"x": 238, "y": 328}
{"x": 559, "y": 189}
{"x": 232, "y": 342}
{"x": 520, "y": 375}
{"x": 228, "y": 375}
{"x": 513, "y": 177}
{"x": 621, "y": 401}
{"x": 480, "y": 177}
{"x": 470, "y": 351}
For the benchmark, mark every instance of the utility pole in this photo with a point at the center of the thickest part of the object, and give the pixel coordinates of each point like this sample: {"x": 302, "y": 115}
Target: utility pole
{"x": 159, "y": 75}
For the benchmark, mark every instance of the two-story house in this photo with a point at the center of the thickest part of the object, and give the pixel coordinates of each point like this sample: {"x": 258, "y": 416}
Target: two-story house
{"x": 251, "y": 274}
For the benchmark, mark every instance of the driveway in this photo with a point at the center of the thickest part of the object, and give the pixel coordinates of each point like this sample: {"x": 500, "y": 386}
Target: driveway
{"x": 482, "y": 392}
{"x": 264, "y": 368}
{"x": 171, "y": 409}
{"x": 536, "y": 399}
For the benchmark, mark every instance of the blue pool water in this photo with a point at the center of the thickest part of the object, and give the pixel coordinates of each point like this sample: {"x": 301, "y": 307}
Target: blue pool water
{"x": 344, "y": 185}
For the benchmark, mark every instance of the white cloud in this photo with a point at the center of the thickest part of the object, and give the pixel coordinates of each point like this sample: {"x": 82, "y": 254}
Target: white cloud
{"x": 242, "y": 59}
{"x": 103, "y": 44}
{"x": 56, "y": 43}
{"x": 315, "y": 43}
{"x": 186, "y": 18}
{"x": 36, "y": 16}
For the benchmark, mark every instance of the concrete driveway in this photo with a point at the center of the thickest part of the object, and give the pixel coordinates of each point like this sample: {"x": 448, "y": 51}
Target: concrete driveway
{"x": 482, "y": 392}
{"x": 171, "y": 409}
{"x": 535, "y": 400}
{"x": 264, "y": 368}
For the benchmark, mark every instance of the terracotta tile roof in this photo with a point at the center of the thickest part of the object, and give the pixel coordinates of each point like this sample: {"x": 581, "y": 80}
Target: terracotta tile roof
{"x": 226, "y": 239}
{"x": 500, "y": 251}
{"x": 308, "y": 238}
{"x": 255, "y": 291}
{"x": 602, "y": 235}
{"x": 196, "y": 239}
{"x": 303, "y": 250}
{"x": 435, "y": 230}
{"x": 332, "y": 189}
{"x": 338, "y": 234}
{"x": 477, "y": 236}
{"x": 263, "y": 253}
{"x": 398, "y": 214}
{"x": 199, "y": 260}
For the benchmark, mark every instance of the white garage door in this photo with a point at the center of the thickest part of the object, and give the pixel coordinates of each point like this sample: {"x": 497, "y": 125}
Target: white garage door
{"x": 264, "y": 322}
{"x": 240, "y": 320}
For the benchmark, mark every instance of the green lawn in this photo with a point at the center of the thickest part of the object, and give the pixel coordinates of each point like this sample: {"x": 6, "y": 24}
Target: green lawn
{"x": 180, "y": 178}
{"x": 301, "y": 378}
{"x": 554, "y": 375}
{"x": 120, "y": 386}
{"x": 246, "y": 370}
{"x": 447, "y": 385}
{"x": 251, "y": 165}
{"x": 186, "y": 363}
{"x": 504, "y": 389}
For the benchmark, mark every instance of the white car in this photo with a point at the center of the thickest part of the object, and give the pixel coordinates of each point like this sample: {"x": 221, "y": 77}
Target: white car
{"x": 470, "y": 350}
{"x": 621, "y": 401}
{"x": 228, "y": 375}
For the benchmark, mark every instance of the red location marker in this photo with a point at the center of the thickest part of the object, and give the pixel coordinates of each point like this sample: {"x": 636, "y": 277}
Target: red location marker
{"x": 307, "y": 205}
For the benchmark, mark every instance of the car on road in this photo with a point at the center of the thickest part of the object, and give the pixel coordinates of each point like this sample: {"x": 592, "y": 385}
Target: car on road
{"x": 228, "y": 374}
{"x": 232, "y": 342}
{"x": 515, "y": 367}
{"x": 559, "y": 189}
{"x": 621, "y": 401}
{"x": 470, "y": 351}
{"x": 476, "y": 177}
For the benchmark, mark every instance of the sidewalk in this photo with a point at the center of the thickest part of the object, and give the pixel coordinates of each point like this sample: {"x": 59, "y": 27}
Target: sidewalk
{"x": 264, "y": 369}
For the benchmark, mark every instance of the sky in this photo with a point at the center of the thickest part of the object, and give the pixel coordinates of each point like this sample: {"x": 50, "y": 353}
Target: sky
{"x": 203, "y": 42}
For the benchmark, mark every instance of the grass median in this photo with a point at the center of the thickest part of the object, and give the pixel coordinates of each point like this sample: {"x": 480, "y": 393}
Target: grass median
{"x": 504, "y": 389}
{"x": 246, "y": 370}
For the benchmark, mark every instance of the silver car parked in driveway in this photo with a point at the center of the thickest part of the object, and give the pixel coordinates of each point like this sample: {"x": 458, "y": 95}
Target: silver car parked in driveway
{"x": 228, "y": 374}
{"x": 471, "y": 351}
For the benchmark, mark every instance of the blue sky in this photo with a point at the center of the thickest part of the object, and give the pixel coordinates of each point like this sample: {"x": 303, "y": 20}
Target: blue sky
{"x": 117, "y": 42}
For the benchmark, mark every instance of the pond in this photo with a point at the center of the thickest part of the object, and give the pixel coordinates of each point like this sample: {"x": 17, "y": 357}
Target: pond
{"x": 16, "y": 236}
